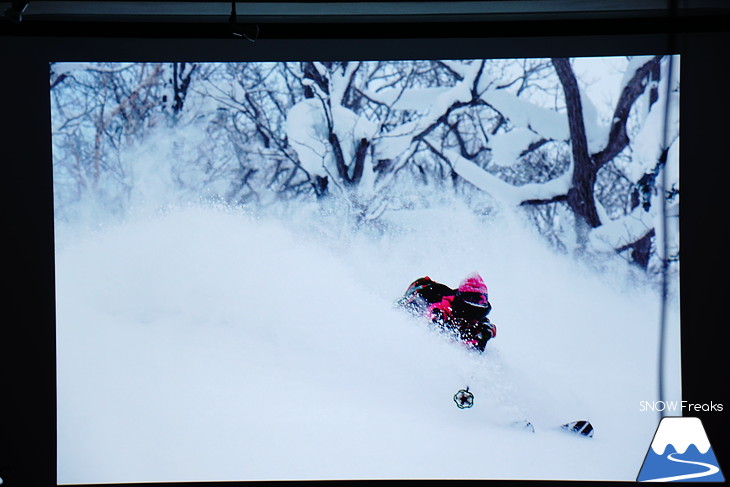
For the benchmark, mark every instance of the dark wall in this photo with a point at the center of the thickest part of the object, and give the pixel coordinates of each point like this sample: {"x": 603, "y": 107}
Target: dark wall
{"x": 27, "y": 339}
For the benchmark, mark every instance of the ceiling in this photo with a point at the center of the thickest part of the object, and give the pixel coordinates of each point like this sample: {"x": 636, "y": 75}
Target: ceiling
{"x": 355, "y": 18}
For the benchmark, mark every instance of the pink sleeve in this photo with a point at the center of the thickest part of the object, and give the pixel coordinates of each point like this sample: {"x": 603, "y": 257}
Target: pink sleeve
{"x": 442, "y": 308}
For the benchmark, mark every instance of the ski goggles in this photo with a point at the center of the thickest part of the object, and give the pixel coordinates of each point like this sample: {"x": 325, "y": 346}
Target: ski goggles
{"x": 471, "y": 310}
{"x": 478, "y": 300}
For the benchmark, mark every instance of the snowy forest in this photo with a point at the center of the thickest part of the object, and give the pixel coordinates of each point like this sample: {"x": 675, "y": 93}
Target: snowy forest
{"x": 586, "y": 148}
{"x": 230, "y": 240}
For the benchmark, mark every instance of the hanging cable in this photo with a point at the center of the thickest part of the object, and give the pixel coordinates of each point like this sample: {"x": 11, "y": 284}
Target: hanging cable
{"x": 14, "y": 13}
{"x": 240, "y": 30}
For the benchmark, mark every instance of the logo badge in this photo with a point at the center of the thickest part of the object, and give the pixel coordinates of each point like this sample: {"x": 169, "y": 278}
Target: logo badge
{"x": 680, "y": 451}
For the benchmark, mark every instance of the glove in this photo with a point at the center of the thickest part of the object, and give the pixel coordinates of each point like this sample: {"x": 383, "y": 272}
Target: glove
{"x": 490, "y": 327}
{"x": 484, "y": 331}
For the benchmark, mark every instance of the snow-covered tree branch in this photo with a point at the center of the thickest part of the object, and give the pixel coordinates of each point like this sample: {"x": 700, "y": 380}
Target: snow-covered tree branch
{"x": 525, "y": 135}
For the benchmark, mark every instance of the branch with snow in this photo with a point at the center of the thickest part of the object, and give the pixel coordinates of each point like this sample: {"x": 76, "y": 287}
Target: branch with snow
{"x": 503, "y": 191}
{"x": 633, "y": 87}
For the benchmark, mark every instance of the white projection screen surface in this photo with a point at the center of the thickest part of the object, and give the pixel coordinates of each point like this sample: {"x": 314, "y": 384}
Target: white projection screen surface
{"x": 232, "y": 240}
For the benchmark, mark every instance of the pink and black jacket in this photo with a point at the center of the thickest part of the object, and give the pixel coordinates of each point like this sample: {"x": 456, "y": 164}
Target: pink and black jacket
{"x": 462, "y": 311}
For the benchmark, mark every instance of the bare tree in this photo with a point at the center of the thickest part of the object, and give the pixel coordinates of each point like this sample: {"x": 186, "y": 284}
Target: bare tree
{"x": 514, "y": 131}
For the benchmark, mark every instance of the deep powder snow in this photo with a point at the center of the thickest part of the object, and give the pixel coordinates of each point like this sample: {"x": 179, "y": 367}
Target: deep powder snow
{"x": 205, "y": 344}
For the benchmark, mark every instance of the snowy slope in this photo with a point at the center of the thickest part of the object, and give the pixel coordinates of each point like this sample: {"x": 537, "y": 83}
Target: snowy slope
{"x": 204, "y": 344}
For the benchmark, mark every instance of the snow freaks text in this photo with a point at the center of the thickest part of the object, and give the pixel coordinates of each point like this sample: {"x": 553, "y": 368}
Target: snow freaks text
{"x": 683, "y": 406}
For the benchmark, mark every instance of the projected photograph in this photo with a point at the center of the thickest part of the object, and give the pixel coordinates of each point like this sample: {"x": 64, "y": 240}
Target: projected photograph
{"x": 416, "y": 269}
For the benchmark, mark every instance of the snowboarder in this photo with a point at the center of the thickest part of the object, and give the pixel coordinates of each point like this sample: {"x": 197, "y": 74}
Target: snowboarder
{"x": 462, "y": 311}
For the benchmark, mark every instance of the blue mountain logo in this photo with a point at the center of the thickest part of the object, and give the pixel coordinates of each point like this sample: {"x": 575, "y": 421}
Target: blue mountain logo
{"x": 680, "y": 451}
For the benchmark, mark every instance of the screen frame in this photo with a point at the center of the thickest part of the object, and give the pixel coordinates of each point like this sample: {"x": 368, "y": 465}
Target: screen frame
{"x": 29, "y": 374}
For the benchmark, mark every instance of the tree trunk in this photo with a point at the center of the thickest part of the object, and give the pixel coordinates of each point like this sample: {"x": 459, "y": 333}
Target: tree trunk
{"x": 580, "y": 196}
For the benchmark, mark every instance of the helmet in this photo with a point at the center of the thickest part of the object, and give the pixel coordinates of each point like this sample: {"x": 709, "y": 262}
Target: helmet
{"x": 474, "y": 285}
{"x": 472, "y": 298}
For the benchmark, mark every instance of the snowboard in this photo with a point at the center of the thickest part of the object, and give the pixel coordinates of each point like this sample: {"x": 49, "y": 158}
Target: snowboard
{"x": 580, "y": 427}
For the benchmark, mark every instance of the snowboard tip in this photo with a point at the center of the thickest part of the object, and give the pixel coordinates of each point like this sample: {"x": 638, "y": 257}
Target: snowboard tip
{"x": 580, "y": 427}
{"x": 525, "y": 425}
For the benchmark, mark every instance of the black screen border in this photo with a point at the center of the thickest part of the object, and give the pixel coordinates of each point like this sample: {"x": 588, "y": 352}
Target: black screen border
{"x": 28, "y": 442}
